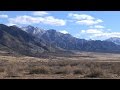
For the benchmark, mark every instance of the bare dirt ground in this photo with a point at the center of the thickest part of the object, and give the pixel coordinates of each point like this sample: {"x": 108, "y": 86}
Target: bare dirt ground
{"x": 82, "y": 65}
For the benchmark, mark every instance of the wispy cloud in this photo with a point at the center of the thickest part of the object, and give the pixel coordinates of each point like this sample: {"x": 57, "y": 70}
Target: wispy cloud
{"x": 80, "y": 16}
{"x": 92, "y": 31}
{"x": 50, "y": 20}
{"x": 10, "y": 24}
{"x": 97, "y": 34}
{"x": 97, "y": 26}
{"x": 3, "y": 16}
{"x": 40, "y": 13}
{"x": 107, "y": 34}
{"x": 84, "y": 19}
{"x": 24, "y": 20}
{"x": 89, "y": 22}
{"x": 54, "y": 21}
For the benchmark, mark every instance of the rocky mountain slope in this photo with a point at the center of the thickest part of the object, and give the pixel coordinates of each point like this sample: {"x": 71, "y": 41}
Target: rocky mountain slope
{"x": 14, "y": 39}
{"x": 68, "y": 42}
{"x": 115, "y": 40}
{"x": 35, "y": 42}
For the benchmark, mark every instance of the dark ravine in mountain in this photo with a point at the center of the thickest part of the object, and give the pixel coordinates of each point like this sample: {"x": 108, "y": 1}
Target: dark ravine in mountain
{"x": 36, "y": 42}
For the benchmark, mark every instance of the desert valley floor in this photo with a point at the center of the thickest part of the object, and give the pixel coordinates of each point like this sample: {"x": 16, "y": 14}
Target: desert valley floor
{"x": 82, "y": 65}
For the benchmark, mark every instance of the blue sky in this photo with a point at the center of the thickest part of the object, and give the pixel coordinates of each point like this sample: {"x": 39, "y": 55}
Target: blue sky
{"x": 81, "y": 24}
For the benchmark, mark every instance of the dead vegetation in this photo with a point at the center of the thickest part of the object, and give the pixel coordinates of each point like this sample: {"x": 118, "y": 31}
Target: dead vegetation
{"x": 30, "y": 67}
{"x": 39, "y": 70}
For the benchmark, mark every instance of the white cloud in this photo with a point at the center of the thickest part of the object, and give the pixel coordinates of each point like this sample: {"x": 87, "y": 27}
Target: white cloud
{"x": 99, "y": 20}
{"x": 107, "y": 34}
{"x": 40, "y": 13}
{"x": 3, "y": 16}
{"x": 91, "y": 31}
{"x": 24, "y": 20}
{"x": 88, "y": 22}
{"x": 84, "y": 19}
{"x": 99, "y": 26}
{"x": 80, "y": 16}
{"x": 83, "y": 31}
{"x": 10, "y": 24}
{"x": 54, "y": 21}
{"x": 64, "y": 32}
{"x": 97, "y": 34}
{"x": 36, "y": 20}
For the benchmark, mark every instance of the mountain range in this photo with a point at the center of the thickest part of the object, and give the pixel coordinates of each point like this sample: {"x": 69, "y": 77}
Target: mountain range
{"x": 13, "y": 39}
{"x": 68, "y": 42}
{"x": 34, "y": 41}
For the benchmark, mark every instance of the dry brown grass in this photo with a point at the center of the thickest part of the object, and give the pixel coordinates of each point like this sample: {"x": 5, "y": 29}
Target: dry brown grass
{"x": 94, "y": 70}
{"x": 12, "y": 70}
{"x": 2, "y": 69}
{"x": 78, "y": 71}
{"x": 63, "y": 70}
{"x": 39, "y": 70}
{"x": 95, "y": 73}
{"x": 60, "y": 67}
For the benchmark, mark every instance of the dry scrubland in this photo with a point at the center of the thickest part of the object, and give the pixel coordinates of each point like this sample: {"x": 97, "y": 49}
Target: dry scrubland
{"x": 79, "y": 66}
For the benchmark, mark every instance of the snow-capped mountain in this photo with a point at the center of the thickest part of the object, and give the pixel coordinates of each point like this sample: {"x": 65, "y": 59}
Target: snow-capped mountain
{"x": 115, "y": 40}
{"x": 35, "y": 31}
{"x": 34, "y": 41}
{"x": 66, "y": 41}
{"x": 15, "y": 39}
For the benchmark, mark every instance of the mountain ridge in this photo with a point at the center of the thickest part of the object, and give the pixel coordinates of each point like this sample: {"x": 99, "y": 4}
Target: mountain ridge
{"x": 34, "y": 41}
{"x": 68, "y": 42}
{"x": 19, "y": 41}
{"x": 115, "y": 40}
